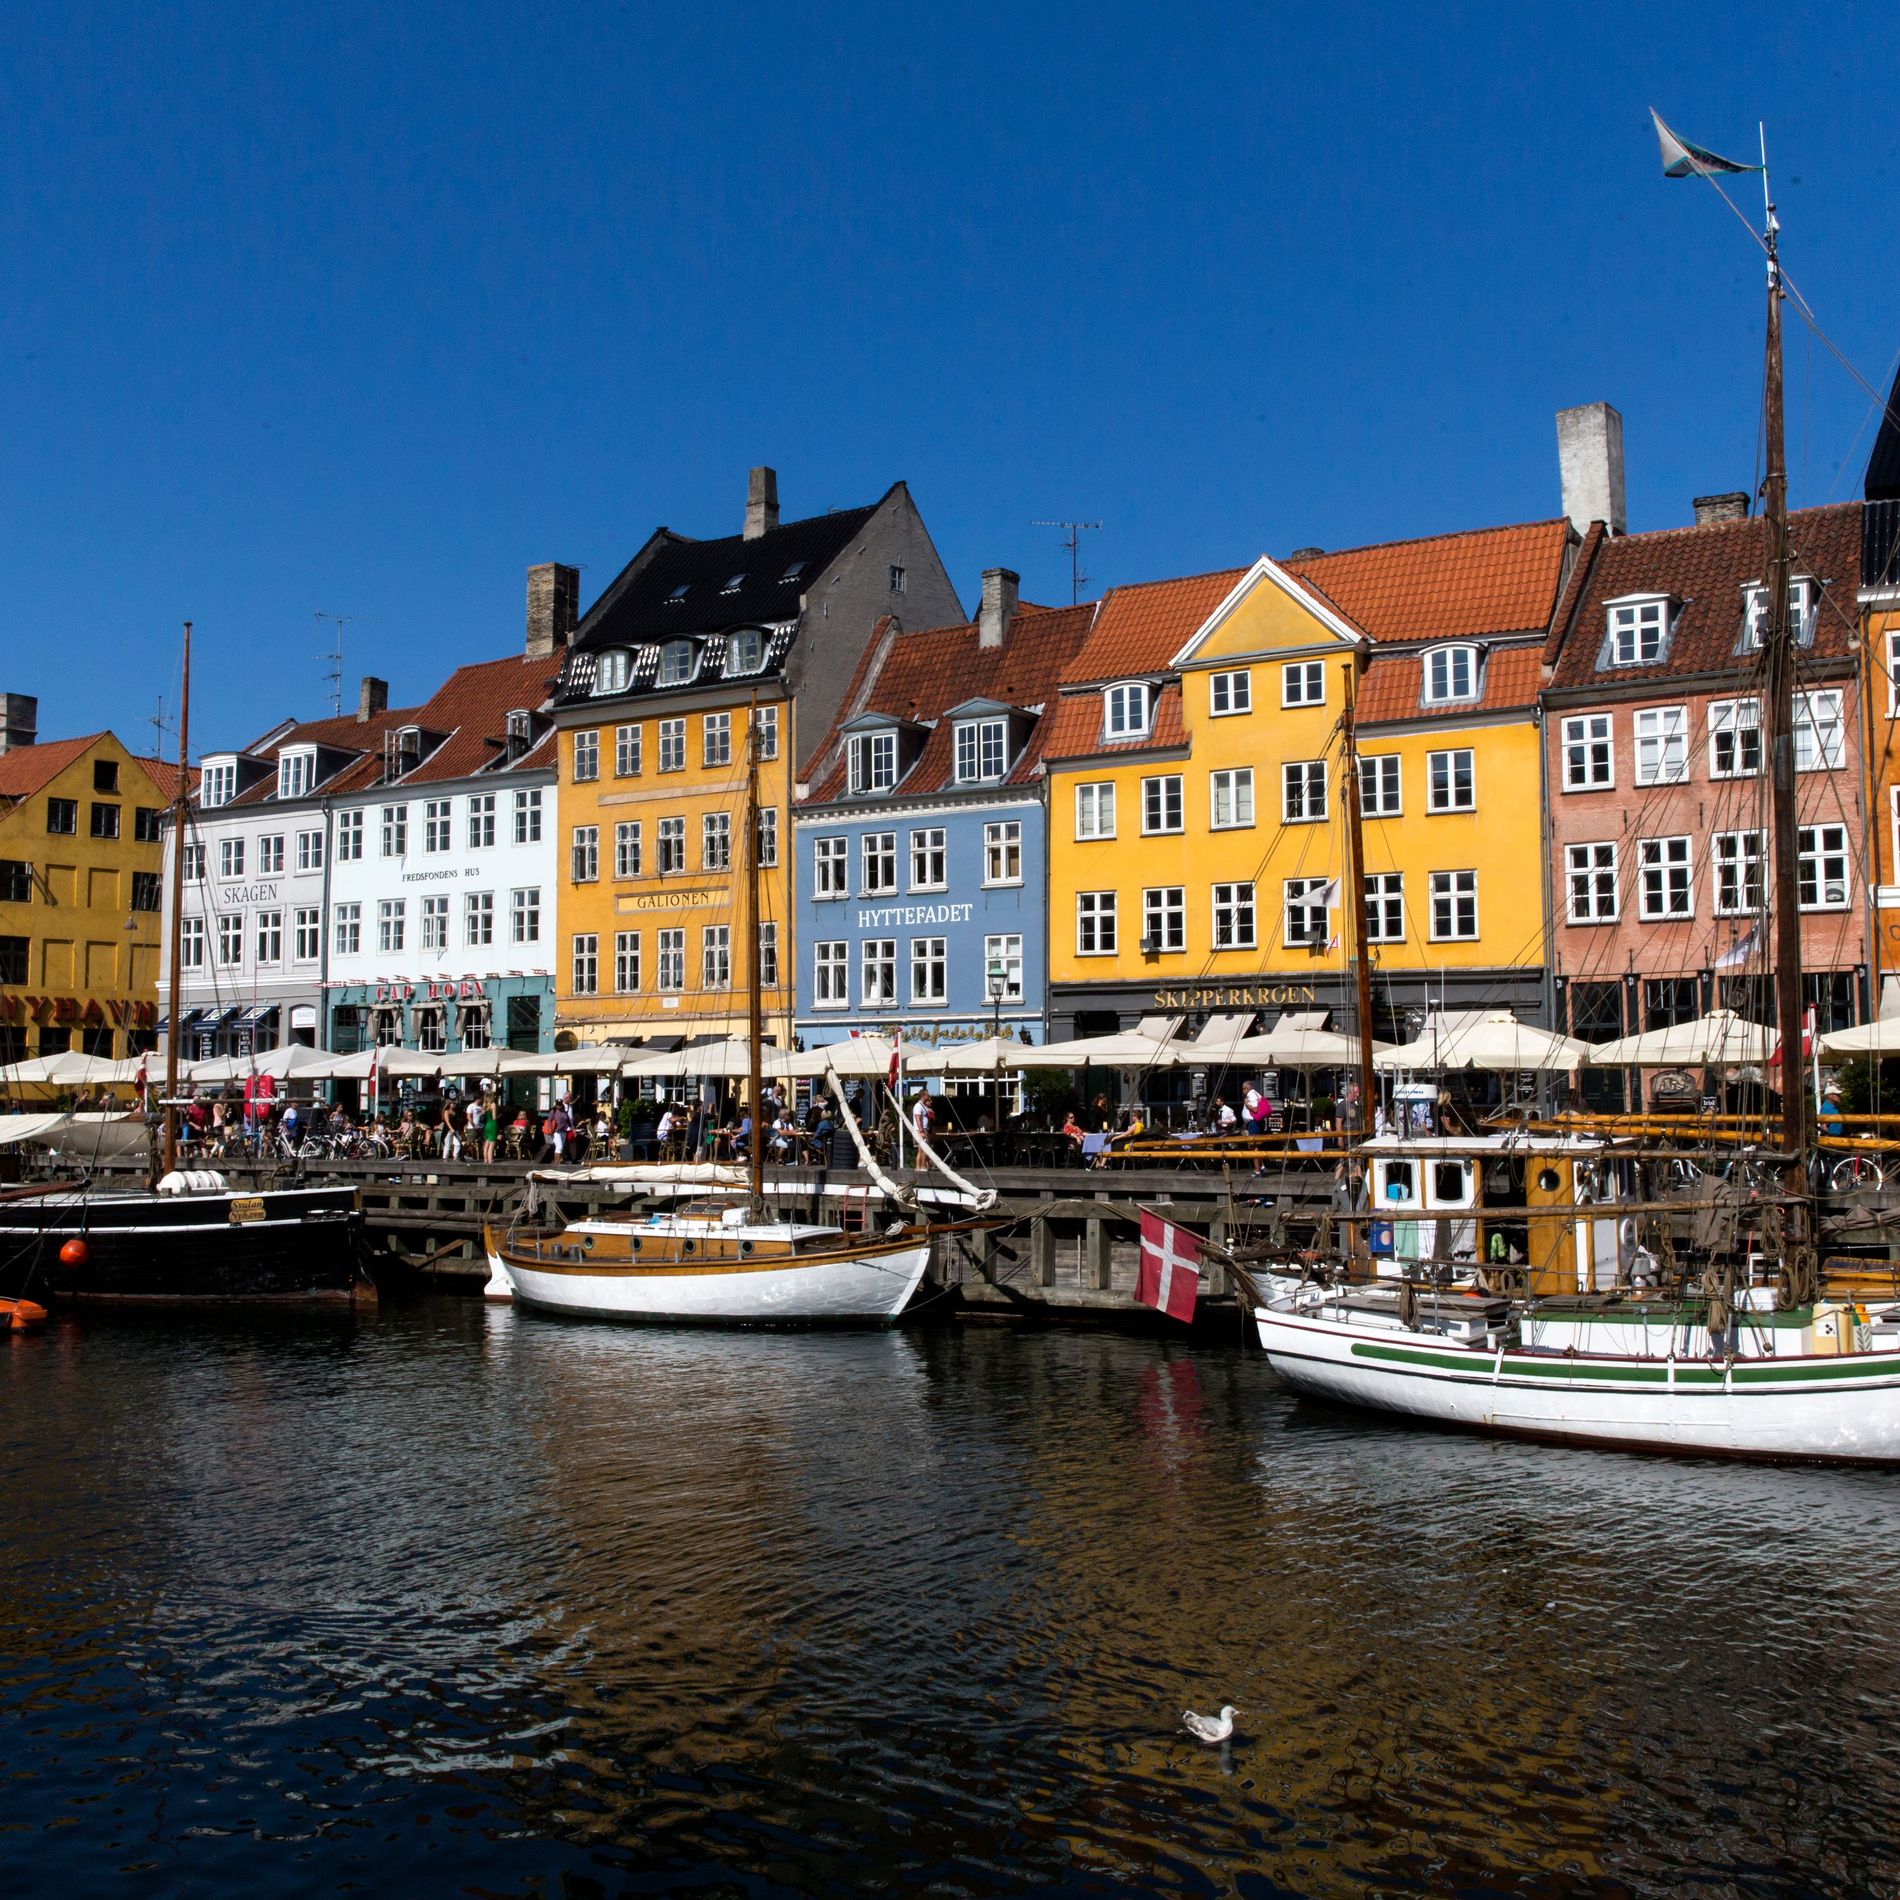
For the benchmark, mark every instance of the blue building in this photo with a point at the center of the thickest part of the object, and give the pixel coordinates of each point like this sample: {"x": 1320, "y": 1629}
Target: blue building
{"x": 920, "y": 846}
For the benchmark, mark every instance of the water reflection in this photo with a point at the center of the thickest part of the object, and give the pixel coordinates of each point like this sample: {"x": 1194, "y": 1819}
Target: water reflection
{"x": 504, "y": 1603}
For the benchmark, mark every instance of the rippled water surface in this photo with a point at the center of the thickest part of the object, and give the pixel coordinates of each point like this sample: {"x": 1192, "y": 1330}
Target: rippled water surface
{"x": 459, "y": 1601}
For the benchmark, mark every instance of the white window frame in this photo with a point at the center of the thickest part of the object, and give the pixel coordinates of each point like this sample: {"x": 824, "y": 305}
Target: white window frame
{"x": 674, "y": 667}
{"x": 1659, "y": 745}
{"x": 583, "y": 863}
{"x": 1385, "y": 907}
{"x": 1820, "y": 730}
{"x": 433, "y": 926}
{"x": 528, "y": 815}
{"x": 1303, "y": 683}
{"x": 1455, "y": 888}
{"x": 831, "y": 975}
{"x": 306, "y": 933}
{"x": 1230, "y": 694}
{"x": 230, "y": 940}
{"x": 1665, "y": 879}
{"x": 393, "y": 830}
{"x": 1127, "y": 709}
{"x": 1002, "y": 854}
{"x": 478, "y": 919}
{"x": 1303, "y": 799}
{"x": 628, "y": 838}
{"x": 929, "y": 858}
{"x": 929, "y": 972}
{"x": 1094, "y": 810}
{"x": 438, "y": 825}
{"x": 191, "y": 942}
{"x": 1452, "y": 676}
{"x": 1164, "y": 919}
{"x": 767, "y": 717}
{"x": 830, "y": 867}
{"x": 1734, "y": 862}
{"x": 269, "y": 938}
{"x": 982, "y": 751}
{"x": 672, "y": 745}
{"x": 297, "y": 772}
{"x": 524, "y": 914}
{"x": 877, "y": 972}
{"x": 1095, "y": 923}
{"x": 1814, "y": 855}
{"x": 1234, "y": 912}
{"x": 392, "y": 925}
{"x": 585, "y": 964}
{"x": 626, "y": 963}
{"x": 715, "y": 841}
{"x": 270, "y": 855}
{"x": 669, "y": 845}
{"x": 877, "y": 863}
{"x": 586, "y": 756}
{"x": 346, "y": 929}
{"x": 481, "y": 821}
{"x": 1163, "y": 805}
{"x": 1589, "y": 752}
{"x": 627, "y": 744}
{"x": 715, "y": 957}
{"x": 1628, "y": 624}
{"x": 1731, "y": 720}
{"x": 1006, "y": 949}
{"x": 1297, "y": 911}
{"x": 871, "y": 763}
{"x": 1590, "y": 883}
{"x": 1374, "y": 785}
{"x": 1434, "y": 804}
{"x": 670, "y": 959}
{"x": 715, "y": 739}
{"x": 230, "y": 858}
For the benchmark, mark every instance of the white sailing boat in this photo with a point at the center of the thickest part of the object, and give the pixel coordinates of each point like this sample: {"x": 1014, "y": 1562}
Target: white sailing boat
{"x": 715, "y": 1260}
{"x": 1593, "y": 1346}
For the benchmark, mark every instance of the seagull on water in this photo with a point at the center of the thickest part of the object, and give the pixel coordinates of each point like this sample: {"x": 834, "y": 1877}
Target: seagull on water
{"x": 1210, "y": 1728}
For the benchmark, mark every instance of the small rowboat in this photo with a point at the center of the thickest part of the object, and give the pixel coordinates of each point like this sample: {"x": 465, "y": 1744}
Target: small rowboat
{"x": 19, "y": 1316}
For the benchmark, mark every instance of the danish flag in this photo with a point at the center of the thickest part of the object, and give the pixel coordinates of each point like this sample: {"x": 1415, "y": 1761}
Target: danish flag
{"x": 897, "y": 1057}
{"x": 1169, "y": 1278}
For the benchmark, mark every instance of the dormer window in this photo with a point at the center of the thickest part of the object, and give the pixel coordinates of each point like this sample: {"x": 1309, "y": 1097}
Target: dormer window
{"x": 1126, "y": 710}
{"x": 873, "y": 761}
{"x": 982, "y": 750}
{"x": 297, "y": 772}
{"x": 1801, "y": 595}
{"x": 518, "y": 726}
{"x": 1637, "y": 629}
{"x": 745, "y": 651}
{"x": 1451, "y": 675}
{"x": 733, "y": 585}
{"x": 613, "y": 668}
{"x": 676, "y": 663}
{"x": 402, "y": 751}
{"x": 217, "y": 782}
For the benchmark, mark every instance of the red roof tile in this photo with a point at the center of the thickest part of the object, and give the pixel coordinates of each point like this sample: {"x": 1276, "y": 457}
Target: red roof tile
{"x": 1076, "y": 731}
{"x": 1705, "y": 568}
{"x": 24, "y": 769}
{"x": 1394, "y": 684}
{"x": 1484, "y": 581}
{"x": 918, "y": 677}
{"x": 1139, "y": 629}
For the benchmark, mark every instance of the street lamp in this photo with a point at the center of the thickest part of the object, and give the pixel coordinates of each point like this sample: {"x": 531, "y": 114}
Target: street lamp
{"x": 998, "y": 983}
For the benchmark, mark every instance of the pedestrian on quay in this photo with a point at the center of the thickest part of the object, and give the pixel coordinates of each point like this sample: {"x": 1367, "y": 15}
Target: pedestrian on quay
{"x": 491, "y": 1129}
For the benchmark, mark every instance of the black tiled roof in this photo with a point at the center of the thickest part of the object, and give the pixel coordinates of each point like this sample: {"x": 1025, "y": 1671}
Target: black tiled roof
{"x": 687, "y": 586}
{"x": 1883, "y": 465}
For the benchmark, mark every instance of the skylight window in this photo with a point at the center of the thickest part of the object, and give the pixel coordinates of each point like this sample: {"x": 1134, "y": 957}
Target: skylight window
{"x": 678, "y": 593}
{"x": 732, "y": 586}
{"x": 792, "y": 572}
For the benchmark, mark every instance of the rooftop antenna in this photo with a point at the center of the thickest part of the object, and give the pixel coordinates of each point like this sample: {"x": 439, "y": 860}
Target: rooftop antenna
{"x": 161, "y": 728}
{"x": 1072, "y": 540}
{"x": 333, "y": 653}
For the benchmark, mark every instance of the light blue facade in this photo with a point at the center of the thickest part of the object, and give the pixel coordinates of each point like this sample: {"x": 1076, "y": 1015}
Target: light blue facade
{"x": 988, "y": 905}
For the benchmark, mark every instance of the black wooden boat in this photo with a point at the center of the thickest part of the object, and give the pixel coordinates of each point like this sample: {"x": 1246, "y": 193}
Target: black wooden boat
{"x": 200, "y": 1240}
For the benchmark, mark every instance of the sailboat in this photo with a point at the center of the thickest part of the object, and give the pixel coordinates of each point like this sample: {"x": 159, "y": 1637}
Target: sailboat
{"x": 714, "y": 1260}
{"x": 1611, "y": 1346}
{"x": 189, "y": 1237}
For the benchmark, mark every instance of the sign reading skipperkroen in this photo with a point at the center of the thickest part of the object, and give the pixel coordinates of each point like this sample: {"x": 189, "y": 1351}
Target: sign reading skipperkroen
{"x": 1235, "y": 996}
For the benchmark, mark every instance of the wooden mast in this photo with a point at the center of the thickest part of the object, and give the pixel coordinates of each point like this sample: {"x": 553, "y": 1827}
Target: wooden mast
{"x": 1356, "y": 899}
{"x": 1779, "y": 667}
{"x": 755, "y": 992}
{"x": 181, "y": 808}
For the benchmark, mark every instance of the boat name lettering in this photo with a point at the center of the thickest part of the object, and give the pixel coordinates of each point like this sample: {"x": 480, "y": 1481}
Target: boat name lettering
{"x": 892, "y": 915}
{"x": 246, "y": 1208}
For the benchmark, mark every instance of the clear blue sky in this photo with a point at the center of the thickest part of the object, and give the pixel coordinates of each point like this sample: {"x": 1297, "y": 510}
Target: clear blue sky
{"x": 366, "y": 309}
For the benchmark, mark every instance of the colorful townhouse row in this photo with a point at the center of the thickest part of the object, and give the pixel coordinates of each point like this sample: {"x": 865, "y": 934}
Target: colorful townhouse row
{"x": 1064, "y": 821}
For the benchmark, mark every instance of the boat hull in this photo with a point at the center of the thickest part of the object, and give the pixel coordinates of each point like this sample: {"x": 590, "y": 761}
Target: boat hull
{"x": 293, "y": 1246}
{"x": 862, "y": 1287}
{"x": 1842, "y": 1409}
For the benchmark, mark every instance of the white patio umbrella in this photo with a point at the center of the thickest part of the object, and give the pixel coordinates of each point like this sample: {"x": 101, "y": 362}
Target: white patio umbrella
{"x": 1716, "y": 1040}
{"x": 594, "y": 1058}
{"x": 1299, "y": 1048}
{"x": 1878, "y": 1038}
{"x": 712, "y": 1061}
{"x": 291, "y": 1059}
{"x": 1485, "y": 1039}
{"x": 991, "y": 1056}
{"x": 68, "y": 1069}
{"x": 1123, "y": 1051}
{"x": 855, "y": 1058}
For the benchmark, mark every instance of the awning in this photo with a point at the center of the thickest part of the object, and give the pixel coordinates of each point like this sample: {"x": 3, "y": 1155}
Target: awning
{"x": 250, "y": 1018}
{"x": 191, "y": 1018}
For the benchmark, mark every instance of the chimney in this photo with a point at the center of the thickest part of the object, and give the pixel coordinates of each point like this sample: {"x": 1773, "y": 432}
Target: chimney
{"x": 761, "y": 502}
{"x": 999, "y": 606}
{"x": 1590, "y": 458}
{"x": 1730, "y": 507}
{"x": 372, "y": 697}
{"x": 19, "y": 721}
{"x": 554, "y": 598}
{"x": 1306, "y": 554}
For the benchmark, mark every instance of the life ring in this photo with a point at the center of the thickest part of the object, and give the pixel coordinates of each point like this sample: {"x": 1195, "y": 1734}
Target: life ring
{"x": 1626, "y": 1231}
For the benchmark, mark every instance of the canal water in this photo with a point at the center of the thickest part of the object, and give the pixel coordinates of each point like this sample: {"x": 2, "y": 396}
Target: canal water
{"x": 458, "y": 1601}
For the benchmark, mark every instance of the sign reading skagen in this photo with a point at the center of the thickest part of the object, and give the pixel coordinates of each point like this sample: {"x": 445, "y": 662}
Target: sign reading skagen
{"x": 679, "y": 898}
{"x": 1235, "y": 996}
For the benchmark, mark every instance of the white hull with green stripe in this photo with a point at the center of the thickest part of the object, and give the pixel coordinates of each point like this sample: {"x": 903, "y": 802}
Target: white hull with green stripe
{"x": 1819, "y": 1383}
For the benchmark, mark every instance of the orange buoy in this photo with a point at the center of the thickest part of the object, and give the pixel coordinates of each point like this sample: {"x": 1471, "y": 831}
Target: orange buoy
{"x": 74, "y": 1253}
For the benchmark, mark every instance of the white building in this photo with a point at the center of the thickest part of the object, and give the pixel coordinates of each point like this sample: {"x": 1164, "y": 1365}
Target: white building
{"x": 442, "y": 871}
{"x": 256, "y": 894}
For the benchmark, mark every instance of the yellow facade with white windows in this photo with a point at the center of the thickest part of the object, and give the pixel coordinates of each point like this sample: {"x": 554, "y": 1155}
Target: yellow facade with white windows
{"x": 650, "y": 915}
{"x": 1224, "y": 863}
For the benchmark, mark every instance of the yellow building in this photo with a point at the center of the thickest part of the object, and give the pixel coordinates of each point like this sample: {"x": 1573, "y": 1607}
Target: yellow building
{"x": 1197, "y": 827}
{"x": 694, "y": 647}
{"x": 79, "y": 891}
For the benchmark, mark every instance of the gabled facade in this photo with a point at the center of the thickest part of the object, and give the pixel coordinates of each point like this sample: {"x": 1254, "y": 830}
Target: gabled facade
{"x": 257, "y": 881}
{"x": 920, "y": 843}
{"x": 1659, "y": 818}
{"x": 1197, "y": 828}
{"x": 79, "y": 890}
{"x": 695, "y": 651}
{"x": 443, "y": 849}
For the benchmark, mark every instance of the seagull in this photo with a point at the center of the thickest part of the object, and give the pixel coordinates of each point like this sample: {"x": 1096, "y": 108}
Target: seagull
{"x": 1210, "y": 1728}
